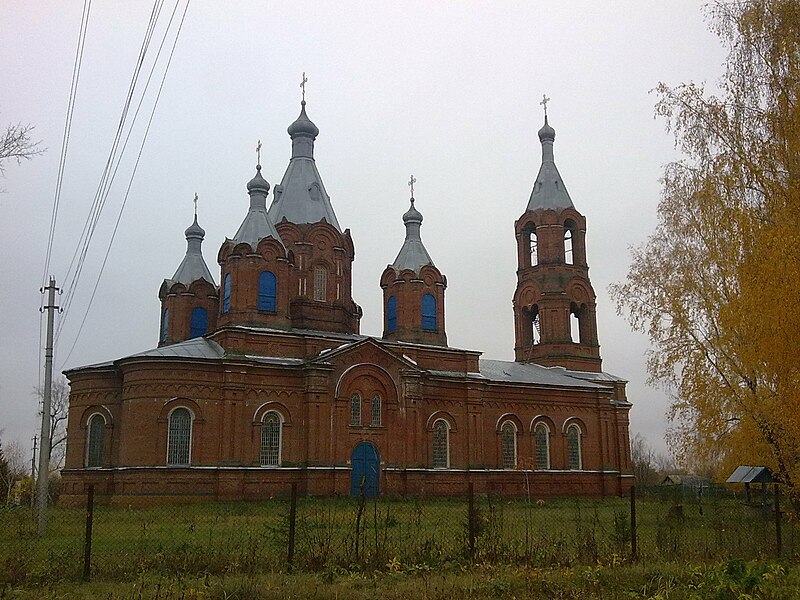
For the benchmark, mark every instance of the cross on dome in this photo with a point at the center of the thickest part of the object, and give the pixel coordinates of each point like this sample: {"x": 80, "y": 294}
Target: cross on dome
{"x": 258, "y": 154}
{"x": 303, "y": 85}
{"x": 411, "y": 183}
{"x": 195, "y": 205}
{"x": 544, "y": 102}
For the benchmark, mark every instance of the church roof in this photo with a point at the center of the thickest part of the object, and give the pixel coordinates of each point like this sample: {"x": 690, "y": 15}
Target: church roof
{"x": 193, "y": 266}
{"x": 256, "y": 224}
{"x": 516, "y": 372}
{"x": 413, "y": 254}
{"x": 301, "y": 197}
{"x": 549, "y": 190}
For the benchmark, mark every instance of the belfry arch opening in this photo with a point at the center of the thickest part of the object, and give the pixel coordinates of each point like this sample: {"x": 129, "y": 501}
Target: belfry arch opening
{"x": 533, "y": 246}
{"x": 569, "y": 243}
{"x": 533, "y": 325}
{"x": 575, "y": 323}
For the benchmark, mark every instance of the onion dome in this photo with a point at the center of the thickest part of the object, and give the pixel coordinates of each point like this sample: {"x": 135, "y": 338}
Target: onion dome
{"x": 193, "y": 266}
{"x": 547, "y": 132}
{"x": 256, "y": 225}
{"x": 303, "y": 125}
{"x": 258, "y": 183}
{"x": 413, "y": 254}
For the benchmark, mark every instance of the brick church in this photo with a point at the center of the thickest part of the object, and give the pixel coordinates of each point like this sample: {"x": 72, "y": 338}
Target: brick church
{"x": 264, "y": 380}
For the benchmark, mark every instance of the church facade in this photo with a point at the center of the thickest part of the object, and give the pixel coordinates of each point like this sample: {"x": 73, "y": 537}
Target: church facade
{"x": 264, "y": 380}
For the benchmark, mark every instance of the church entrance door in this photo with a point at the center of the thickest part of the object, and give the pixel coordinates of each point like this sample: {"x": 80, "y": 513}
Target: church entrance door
{"x": 366, "y": 473}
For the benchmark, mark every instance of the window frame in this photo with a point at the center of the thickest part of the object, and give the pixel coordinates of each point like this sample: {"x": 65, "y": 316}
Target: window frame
{"x": 320, "y": 283}
{"x": 440, "y": 427}
{"x": 541, "y": 426}
{"x": 391, "y": 314}
{"x": 189, "y": 438}
{"x": 355, "y": 410}
{"x": 100, "y": 452}
{"x": 267, "y": 295}
{"x": 226, "y": 294}
{"x": 574, "y": 432}
{"x": 164, "y": 337}
{"x": 192, "y": 329}
{"x": 376, "y": 408}
{"x": 264, "y": 449}
{"x": 507, "y": 426}
{"x": 429, "y": 321}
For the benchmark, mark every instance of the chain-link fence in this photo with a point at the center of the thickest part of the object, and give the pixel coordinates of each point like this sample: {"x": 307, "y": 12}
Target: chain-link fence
{"x": 345, "y": 533}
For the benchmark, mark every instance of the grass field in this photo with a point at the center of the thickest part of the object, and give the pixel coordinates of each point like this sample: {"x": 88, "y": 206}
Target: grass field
{"x": 339, "y": 538}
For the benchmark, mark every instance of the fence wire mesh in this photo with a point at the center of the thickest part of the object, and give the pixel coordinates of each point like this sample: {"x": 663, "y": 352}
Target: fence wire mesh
{"x": 388, "y": 534}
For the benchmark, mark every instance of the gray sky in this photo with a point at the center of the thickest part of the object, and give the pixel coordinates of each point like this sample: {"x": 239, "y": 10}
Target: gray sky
{"x": 448, "y": 91}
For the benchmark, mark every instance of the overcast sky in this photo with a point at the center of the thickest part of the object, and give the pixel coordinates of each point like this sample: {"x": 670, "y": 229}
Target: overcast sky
{"x": 448, "y": 91}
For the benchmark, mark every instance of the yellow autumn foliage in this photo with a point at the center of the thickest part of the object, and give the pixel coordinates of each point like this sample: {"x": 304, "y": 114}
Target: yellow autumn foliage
{"x": 716, "y": 286}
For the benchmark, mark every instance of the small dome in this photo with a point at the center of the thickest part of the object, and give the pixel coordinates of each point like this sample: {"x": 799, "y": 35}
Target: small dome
{"x": 303, "y": 125}
{"x": 413, "y": 215}
{"x": 258, "y": 183}
{"x": 195, "y": 231}
{"x": 547, "y": 132}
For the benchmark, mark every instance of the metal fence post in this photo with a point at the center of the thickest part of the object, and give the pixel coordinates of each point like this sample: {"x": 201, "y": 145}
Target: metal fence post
{"x": 471, "y": 519}
{"x": 87, "y": 543}
{"x": 292, "y": 521}
{"x": 778, "y": 540}
{"x": 634, "y": 544}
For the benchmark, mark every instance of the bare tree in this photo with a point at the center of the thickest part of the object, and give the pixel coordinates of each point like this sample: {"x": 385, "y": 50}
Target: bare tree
{"x": 13, "y": 467}
{"x": 16, "y": 144}
{"x": 643, "y": 458}
{"x": 59, "y": 409}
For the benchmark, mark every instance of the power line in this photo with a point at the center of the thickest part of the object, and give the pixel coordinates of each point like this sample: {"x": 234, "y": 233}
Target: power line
{"x": 138, "y": 157}
{"x": 76, "y": 71}
{"x": 79, "y": 256}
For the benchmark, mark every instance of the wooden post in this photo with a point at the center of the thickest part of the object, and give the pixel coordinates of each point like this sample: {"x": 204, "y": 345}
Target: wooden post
{"x": 471, "y": 519}
{"x": 87, "y": 541}
{"x": 634, "y": 545}
{"x": 292, "y": 521}
{"x": 778, "y": 540}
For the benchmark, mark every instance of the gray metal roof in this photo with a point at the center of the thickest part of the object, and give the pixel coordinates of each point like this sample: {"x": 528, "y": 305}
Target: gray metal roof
{"x": 301, "y": 197}
{"x": 745, "y": 474}
{"x": 193, "y": 266}
{"x": 549, "y": 190}
{"x": 195, "y": 348}
{"x": 515, "y": 372}
{"x": 413, "y": 254}
{"x": 256, "y": 225}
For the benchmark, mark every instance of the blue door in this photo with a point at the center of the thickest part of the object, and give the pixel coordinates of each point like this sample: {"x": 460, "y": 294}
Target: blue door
{"x": 366, "y": 472}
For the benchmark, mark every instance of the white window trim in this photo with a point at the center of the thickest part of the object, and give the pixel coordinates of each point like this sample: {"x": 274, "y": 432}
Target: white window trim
{"x": 191, "y": 435}
{"x": 280, "y": 437}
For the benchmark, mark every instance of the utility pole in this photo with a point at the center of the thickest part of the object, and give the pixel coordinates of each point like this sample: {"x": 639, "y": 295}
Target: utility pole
{"x": 33, "y": 473}
{"x": 44, "y": 438}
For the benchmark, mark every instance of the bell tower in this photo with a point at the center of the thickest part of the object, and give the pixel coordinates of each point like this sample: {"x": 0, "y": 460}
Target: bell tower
{"x": 555, "y": 319}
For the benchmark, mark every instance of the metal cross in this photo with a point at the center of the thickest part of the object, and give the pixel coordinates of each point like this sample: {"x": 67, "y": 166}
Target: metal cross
{"x": 411, "y": 183}
{"x": 195, "y": 205}
{"x": 258, "y": 153}
{"x": 303, "y": 85}
{"x": 544, "y": 102}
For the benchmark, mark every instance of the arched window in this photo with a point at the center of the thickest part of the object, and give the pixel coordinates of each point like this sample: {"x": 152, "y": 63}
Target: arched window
{"x": 508, "y": 435}
{"x": 391, "y": 314}
{"x": 541, "y": 436}
{"x": 271, "y": 437}
{"x": 375, "y": 417}
{"x": 355, "y": 410}
{"x": 536, "y": 326}
{"x": 198, "y": 324}
{"x": 568, "y": 239}
{"x": 320, "y": 283}
{"x": 441, "y": 445}
{"x": 94, "y": 445}
{"x": 165, "y": 325}
{"x": 574, "y": 324}
{"x": 226, "y": 293}
{"x": 180, "y": 437}
{"x": 267, "y": 291}
{"x": 428, "y": 313}
{"x": 574, "y": 447}
{"x": 533, "y": 245}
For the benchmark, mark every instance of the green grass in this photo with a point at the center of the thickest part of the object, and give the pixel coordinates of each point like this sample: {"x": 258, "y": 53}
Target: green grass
{"x": 250, "y": 539}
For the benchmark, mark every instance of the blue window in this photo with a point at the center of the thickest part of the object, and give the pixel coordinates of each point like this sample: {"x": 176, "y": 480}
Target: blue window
{"x": 391, "y": 314}
{"x": 226, "y": 293}
{"x": 428, "y": 313}
{"x": 165, "y": 326}
{"x": 198, "y": 325}
{"x": 267, "y": 287}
